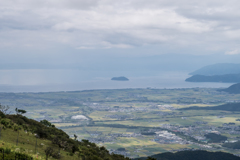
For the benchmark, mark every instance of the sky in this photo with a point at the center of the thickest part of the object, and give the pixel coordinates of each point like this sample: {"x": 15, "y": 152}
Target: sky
{"x": 118, "y": 35}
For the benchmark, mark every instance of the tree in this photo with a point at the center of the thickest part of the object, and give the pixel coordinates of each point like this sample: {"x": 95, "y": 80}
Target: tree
{"x": 75, "y": 137}
{"x": 20, "y": 111}
{"x": 4, "y": 109}
{"x": 150, "y": 158}
{"x": 48, "y": 152}
{"x": 47, "y": 123}
{"x": 16, "y": 109}
{"x": 75, "y": 148}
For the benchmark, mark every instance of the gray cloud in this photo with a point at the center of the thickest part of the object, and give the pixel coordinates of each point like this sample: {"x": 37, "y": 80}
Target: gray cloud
{"x": 103, "y": 24}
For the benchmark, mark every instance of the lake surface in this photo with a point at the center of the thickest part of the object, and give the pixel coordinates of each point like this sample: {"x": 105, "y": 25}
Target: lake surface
{"x": 73, "y": 80}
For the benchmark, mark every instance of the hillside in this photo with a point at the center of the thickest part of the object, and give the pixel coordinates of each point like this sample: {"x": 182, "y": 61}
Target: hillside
{"x": 235, "y": 145}
{"x": 218, "y": 69}
{"x": 27, "y": 137}
{"x": 224, "y": 107}
{"x": 194, "y": 155}
{"x": 215, "y": 138}
{"x": 233, "y": 89}
{"x": 228, "y": 78}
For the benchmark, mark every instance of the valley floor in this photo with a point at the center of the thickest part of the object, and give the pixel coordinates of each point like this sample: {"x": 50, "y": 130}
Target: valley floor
{"x": 136, "y": 122}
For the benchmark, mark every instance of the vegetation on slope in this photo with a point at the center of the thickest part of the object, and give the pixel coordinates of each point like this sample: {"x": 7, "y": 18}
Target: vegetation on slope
{"x": 224, "y": 107}
{"x": 215, "y": 138}
{"x": 235, "y": 145}
{"x": 233, "y": 89}
{"x": 193, "y": 155}
{"x": 43, "y": 140}
{"x": 8, "y": 154}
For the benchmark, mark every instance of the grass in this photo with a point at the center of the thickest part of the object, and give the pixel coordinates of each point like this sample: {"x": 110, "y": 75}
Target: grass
{"x": 26, "y": 144}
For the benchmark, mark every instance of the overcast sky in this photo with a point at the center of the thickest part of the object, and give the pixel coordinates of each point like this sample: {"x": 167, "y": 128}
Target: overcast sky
{"x": 75, "y": 31}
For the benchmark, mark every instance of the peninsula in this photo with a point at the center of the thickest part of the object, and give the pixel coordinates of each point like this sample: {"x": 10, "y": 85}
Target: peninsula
{"x": 228, "y": 78}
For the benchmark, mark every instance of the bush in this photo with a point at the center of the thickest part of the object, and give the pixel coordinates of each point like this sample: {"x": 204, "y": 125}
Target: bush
{"x": 41, "y": 133}
{"x": 56, "y": 155}
{"x": 4, "y": 122}
{"x": 25, "y": 127}
{"x": 74, "y": 148}
{"x": 7, "y": 150}
{"x": 15, "y": 128}
{"x": 22, "y": 156}
{"x": 2, "y": 115}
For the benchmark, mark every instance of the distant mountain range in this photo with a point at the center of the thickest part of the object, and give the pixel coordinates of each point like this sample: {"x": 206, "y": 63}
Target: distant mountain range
{"x": 227, "y": 78}
{"x": 222, "y": 72}
{"x": 218, "y": 69}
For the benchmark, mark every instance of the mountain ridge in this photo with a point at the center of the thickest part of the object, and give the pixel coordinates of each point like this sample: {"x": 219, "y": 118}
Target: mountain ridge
{"x": 228, "y": 78}
{"x": 233, "y": 89}
{"x": 218, "y": 69}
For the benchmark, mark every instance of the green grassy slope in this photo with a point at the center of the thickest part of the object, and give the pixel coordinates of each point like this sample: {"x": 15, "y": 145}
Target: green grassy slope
{"x": 22, "y": 135}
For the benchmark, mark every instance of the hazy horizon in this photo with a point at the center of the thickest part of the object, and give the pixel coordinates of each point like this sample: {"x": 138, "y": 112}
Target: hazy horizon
{"x": 100, "y": 36}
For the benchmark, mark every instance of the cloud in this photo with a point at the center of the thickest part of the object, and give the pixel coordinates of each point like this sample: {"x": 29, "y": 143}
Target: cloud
{"x": 233, "y": 52}
{"x": 104, "y": 24}
{"x": 80, "y": 117}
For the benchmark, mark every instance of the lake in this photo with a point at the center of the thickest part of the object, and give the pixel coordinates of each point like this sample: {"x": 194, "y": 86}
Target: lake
{"x": 72, "y": 80}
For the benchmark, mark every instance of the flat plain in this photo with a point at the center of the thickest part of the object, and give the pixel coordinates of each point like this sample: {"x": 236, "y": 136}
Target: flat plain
{"x": 136, "y": 122}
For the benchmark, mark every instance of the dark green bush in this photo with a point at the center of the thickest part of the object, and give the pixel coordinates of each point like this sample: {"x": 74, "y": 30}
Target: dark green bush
{"x": 4, "y": 122}
{"x": 2, "y": 115}
{"x": 15, "y": 128}
{"x": 7, "y": 150}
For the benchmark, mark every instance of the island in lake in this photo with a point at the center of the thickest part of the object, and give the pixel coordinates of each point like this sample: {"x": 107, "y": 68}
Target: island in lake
{"x": 120, "y": 79}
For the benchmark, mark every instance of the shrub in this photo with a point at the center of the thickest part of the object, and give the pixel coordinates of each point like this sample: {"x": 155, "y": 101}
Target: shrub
{"x": 103, "y": 148}
{"x": 25, "y": 127}
{"x": 4, "y": 122}
{"x": 15, "y": 128}
{"x": 7, "y": 150}
{"x": 48, "y": 152}
{"x": 22, "y": 156}
{"x": 74, "y": 148}
{"x": 2, "y": 115}
{"x": 41, "y": 133}
{"x": 56, "y": 155}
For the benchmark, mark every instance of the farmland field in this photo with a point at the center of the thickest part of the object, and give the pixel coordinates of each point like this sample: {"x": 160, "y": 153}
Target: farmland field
{"x": 135, "y": 122}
